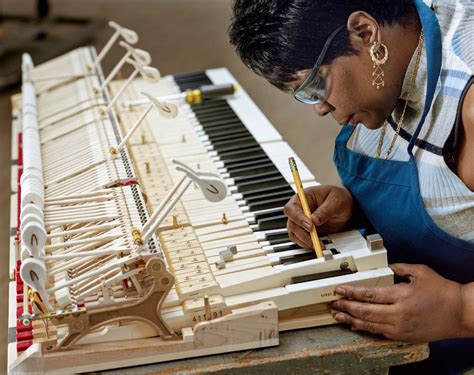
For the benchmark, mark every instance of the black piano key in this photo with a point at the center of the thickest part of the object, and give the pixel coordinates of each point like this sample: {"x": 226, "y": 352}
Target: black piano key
{"x": 292, "y": 259}
{"x": 320, "y": 276}
{"x": 250, "y": 171}
{"x": 185, "y": 77}
{"x": 222, "y": 115}
{"x": 212, "y": 138}
{"x": 267, "y": 214}
{"x": 284, "y": 194}
{"x": 213, "y": 116}
{"x": 261, "y": 193}
{"x": 237, "y": 154}
{"x": 259, "y": 185}
{"x": 192, "y": 84}
{"x": 213, "y": 105}
{"x": 273, "y": 222}
{"x": 283, "y": 191}
{"x": 208, "y": 104}
{"x": 214, "y": 127}
{"x": 288, "y": 247}
{"x": 216, "y": 107}
{"x": 213, "y": 112}
{"x": 230, "y": 140}
{"x": 276, "y": 236}
{"x": 219, "y": 135}
{"x": 267, "y": 204}
{"x": 242, "y": 180}
{"x": 247, "y": 167}
{"x": 233, "y": 145}
{"x": 245, "y": 162}
{"x": 283, "y": 241}
{"x": 191, "y": 80}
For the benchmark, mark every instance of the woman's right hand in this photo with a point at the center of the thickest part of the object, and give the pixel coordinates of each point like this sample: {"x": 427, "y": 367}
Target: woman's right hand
{"x": 331, "y": 207}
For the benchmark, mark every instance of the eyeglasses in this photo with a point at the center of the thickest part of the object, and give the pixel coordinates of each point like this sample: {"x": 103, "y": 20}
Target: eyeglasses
{"x": 313, "y": 89}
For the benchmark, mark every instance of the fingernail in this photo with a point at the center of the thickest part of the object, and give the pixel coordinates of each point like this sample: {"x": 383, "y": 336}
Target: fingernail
{"x": 341, "y": 291}
{"x": 316, "y": 220}
{"x": 341, "y": 318}
{"x": 307, "y": 226}
{"x": 334, "y": 304}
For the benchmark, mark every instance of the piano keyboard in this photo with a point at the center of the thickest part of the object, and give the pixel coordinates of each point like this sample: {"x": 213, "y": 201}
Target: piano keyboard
{"x": 252, "y": 159}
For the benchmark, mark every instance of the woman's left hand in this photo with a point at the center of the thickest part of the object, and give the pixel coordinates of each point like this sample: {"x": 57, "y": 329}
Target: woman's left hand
{"x": 427, "y": 308}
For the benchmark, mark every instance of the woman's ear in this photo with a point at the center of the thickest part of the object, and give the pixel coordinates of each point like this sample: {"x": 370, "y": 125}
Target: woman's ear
{"x": 363, "y": 29}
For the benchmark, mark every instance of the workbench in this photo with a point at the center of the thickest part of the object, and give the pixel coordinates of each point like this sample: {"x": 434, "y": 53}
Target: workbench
{"x": 328, "y": 350}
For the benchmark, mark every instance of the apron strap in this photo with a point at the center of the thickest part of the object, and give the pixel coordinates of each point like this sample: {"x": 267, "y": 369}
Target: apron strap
{"x": 432, "y": 35}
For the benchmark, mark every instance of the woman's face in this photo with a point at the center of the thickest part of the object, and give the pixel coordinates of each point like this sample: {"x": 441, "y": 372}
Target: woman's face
{"x": 350, "y": 96}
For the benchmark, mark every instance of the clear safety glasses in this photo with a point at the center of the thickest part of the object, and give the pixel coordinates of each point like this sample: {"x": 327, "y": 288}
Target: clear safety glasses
{"x": 313, "y": 89}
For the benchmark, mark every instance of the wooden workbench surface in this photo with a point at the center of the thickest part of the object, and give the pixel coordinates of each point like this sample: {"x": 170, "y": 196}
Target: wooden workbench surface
{"x": 332, "y": 350}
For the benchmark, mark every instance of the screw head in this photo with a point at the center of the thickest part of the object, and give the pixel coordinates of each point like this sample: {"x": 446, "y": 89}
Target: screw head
{"x": 344, "y": 265}
{"x": 156, "y": 267}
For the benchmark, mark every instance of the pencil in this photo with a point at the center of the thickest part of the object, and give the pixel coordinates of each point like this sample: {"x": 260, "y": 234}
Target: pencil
{"x": 304, "y": 204}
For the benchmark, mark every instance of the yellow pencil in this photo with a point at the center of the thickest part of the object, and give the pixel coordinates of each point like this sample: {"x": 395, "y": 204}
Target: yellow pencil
{"x": 304, "y": 204}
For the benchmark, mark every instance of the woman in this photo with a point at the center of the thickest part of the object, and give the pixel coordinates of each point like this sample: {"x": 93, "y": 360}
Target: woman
{"x": 397, "y": 74}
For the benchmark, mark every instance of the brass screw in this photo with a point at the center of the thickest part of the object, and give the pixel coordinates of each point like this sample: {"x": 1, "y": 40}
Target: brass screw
{"x": 207, "y": 308}
{"x": 175, "y": 222}
{"x": 224, "y": 219}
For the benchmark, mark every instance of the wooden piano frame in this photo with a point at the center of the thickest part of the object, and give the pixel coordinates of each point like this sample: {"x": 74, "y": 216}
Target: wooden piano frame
{"x": 250, "y": 326}
{"x": 245, "y": 328}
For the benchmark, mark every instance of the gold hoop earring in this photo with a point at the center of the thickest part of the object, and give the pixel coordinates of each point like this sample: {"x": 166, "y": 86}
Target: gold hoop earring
{"x": 378, "y": 61}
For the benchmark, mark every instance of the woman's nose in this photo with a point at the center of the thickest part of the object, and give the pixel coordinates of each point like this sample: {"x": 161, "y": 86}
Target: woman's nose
{"x": 323, "y": 108}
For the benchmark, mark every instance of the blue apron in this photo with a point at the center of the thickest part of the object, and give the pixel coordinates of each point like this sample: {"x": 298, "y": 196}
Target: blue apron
{"x": 388, "y": 192}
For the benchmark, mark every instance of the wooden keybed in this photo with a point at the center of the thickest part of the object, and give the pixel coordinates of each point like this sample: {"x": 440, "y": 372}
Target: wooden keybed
{"x": 201, "y": 298}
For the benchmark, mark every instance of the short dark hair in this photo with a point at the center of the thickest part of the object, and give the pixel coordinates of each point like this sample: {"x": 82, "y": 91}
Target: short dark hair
{"x": 279, "y": 38}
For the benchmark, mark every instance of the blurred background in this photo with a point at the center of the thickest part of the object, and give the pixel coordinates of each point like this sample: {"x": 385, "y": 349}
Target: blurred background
{"x": 181, "y": 36}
